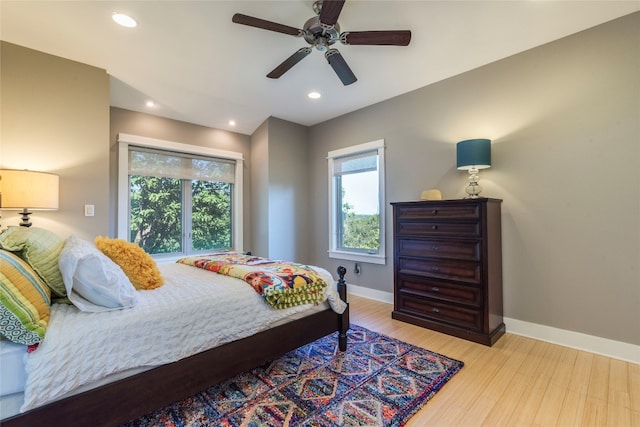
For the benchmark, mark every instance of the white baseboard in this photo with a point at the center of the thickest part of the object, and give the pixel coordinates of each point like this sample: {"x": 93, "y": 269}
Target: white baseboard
{"x": 368, "y": 293}
{"x": 592, "y": 344}
{"x": 603, "y": 346}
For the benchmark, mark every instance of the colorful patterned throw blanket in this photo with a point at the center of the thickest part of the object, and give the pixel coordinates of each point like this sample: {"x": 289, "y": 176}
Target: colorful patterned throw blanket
{"x": 282, "y": 284}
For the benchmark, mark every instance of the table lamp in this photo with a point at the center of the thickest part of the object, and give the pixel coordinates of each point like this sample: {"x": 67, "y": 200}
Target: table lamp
{"x": 473, "y": 155}
{"x": 25, "y": 189}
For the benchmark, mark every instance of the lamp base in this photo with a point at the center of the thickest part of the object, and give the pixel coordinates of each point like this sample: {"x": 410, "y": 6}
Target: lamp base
{"x": 473, "y": 189}
{"x": 25, "y": 218}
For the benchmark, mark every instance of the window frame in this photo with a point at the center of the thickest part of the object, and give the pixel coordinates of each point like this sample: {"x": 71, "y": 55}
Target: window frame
{"x": 125, "y": 141}
{"x": 334, "y": 250}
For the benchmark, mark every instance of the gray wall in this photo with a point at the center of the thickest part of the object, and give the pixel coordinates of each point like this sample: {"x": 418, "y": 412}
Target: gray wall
{"x": 288, "y": 191}
{"x": 280, "y": 190}
{"x": 564, "y": 120}
{"x": 55, "y": 118}
{"x": 134, "y": 123}
{"x": 260, "y": 194}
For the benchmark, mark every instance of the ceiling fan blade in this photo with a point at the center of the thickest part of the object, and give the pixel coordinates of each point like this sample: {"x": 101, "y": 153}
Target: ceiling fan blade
{"x": 330, "y": 11}
{"x": 340, "y": 66}
{"x": 393, "y": 38}
{"x": 289, "y": 62}
{"x": 239, "y": 18}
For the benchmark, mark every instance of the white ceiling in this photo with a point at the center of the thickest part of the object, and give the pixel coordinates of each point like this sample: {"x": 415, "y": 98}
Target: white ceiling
{"x": 201, "y": 68}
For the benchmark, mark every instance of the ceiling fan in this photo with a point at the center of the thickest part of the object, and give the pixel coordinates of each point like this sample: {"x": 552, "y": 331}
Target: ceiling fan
{"x": 321, "y": 32}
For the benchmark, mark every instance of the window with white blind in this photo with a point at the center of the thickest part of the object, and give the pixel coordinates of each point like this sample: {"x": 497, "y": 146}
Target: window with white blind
{"x": 356, "y": 203}
{"x": 178, "y": 199}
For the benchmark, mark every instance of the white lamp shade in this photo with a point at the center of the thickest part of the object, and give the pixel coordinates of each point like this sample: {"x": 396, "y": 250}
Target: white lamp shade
{"x": 23, "y": 189}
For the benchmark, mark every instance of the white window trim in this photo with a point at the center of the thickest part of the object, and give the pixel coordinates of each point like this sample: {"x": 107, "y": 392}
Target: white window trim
{"x": 126, "y": 140}
{"x": 379, "y": 258}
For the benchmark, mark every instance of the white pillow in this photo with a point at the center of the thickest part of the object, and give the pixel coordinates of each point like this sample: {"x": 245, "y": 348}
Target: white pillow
{"x": 93, "y": 282}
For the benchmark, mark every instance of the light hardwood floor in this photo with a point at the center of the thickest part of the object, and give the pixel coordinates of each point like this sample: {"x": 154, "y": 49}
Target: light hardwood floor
{"x": 517, "y": 382}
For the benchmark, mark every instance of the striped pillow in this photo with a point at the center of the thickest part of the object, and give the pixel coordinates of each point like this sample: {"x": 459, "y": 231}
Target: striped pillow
{"x": 24, "y": 301}
{"x": 41, "y": 249}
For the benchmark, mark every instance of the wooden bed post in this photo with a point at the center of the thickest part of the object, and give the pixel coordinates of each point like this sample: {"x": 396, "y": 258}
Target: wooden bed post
{"x": 343, "y": 327}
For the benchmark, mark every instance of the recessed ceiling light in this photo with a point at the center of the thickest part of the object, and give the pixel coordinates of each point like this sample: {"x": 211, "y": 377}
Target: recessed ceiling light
{"x": 150, "y": 104}
{"x": 314, "y": 95}
{"x": 124, "y": 20}
{"x": 232, "y": 122}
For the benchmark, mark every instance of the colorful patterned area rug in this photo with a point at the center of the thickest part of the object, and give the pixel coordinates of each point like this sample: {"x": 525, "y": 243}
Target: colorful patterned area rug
{"x": 378, "y": 381}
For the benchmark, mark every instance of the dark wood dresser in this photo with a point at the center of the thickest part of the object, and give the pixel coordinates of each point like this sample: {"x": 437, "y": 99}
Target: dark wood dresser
{"x": 448, "y": 267}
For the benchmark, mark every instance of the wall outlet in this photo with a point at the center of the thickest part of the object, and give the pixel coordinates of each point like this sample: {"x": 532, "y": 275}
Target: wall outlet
{"x": 89, "y": 210}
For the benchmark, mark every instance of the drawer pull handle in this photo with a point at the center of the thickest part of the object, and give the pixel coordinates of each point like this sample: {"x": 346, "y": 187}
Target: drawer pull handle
{"x": 435, "y": 289}
{"x": 435, "y": 310}
{"x": 435, "y": 268}
{"x": 434, "y": 227}
{"x": 435, "y": 248}
{"x": 434, "y": 212}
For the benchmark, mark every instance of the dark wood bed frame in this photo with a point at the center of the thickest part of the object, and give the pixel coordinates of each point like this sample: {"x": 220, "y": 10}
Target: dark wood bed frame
{"x": 129, "y": 398}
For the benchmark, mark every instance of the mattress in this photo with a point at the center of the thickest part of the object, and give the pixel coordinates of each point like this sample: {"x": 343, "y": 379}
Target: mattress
{"x": 104, "y": 365}
{"x": 12, "y": 375}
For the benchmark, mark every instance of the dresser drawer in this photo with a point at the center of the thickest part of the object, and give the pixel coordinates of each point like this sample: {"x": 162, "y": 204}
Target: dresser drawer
{"x": 433, "y": 210}
{"x": 443, "y": 291}
{"x": 469, "y": 251}
{"x": 457, "y": 316}
{"x": 469, "y": 272}
{"x": 438, "y": 228}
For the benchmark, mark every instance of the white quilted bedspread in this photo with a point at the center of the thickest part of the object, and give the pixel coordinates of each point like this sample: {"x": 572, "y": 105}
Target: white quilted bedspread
{"x": 193, "y": 311}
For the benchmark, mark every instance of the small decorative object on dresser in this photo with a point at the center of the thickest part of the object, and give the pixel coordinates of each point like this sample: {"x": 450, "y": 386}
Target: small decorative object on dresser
{"x": 448, "y": 267}
{"x": 432, "y": 194}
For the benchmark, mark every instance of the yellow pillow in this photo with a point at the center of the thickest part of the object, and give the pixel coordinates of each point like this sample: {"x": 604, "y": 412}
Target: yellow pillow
{"x": 138, "y": 265}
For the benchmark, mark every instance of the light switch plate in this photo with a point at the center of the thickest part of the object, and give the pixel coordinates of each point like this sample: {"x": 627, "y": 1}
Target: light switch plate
{"x": 89, "y": 210}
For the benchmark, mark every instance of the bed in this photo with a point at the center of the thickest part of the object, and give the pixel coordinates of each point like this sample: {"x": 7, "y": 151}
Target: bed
{"x": 127, "y": 392}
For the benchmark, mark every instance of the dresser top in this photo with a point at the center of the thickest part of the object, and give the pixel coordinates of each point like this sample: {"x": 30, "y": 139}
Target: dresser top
{"x": 450, "y": 201}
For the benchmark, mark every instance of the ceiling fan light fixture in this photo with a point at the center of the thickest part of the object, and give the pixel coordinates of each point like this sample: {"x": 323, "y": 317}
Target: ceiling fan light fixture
{"x": 321, "y": 32}
{"x": 124, "y": 20}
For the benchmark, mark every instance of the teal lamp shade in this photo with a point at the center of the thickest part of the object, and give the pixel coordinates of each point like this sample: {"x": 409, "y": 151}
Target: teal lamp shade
{"x": 474, "y": 153}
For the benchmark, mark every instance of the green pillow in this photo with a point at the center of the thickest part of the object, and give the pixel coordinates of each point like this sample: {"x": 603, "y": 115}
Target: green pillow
{"x": 24, "y": 301}
{"x": 41, "y": 249}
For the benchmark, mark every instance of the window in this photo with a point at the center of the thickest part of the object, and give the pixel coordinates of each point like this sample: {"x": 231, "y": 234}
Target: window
{"x": 356, "y": 203}
{"x": 176, "y": 199}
